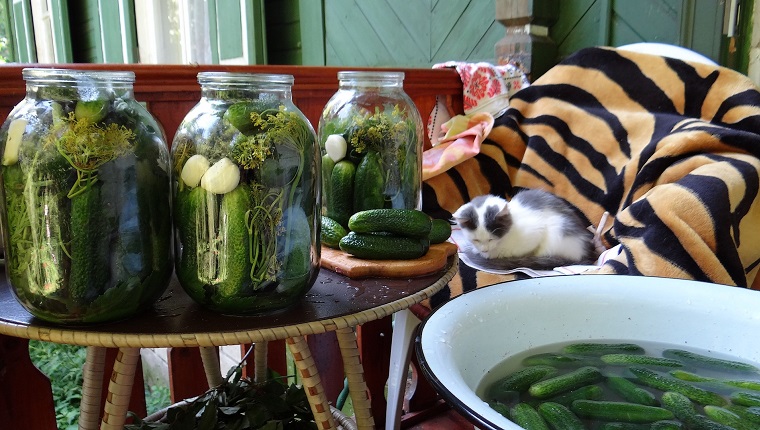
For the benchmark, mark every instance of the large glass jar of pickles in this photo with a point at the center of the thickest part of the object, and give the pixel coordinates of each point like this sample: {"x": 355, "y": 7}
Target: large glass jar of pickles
{"x": 86, "y": 198}
{"x": 370, "y": 135}
{"x": 246, "y": 195}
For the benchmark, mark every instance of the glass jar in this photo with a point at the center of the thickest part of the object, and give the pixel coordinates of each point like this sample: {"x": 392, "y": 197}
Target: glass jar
{"x": 371, "y": 133}
{"x": 86, "y": 198}
{"x": 246, "y": 195}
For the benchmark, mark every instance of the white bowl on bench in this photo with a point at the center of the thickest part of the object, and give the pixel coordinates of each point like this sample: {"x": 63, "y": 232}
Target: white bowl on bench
{"x": 467, "y": 337}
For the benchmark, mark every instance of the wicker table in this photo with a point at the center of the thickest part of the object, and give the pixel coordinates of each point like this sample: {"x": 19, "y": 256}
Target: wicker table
{"x": 335, "y": 303}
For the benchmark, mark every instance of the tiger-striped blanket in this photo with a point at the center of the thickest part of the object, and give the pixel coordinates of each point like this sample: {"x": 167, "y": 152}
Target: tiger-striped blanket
{"x": 670, "y": 149}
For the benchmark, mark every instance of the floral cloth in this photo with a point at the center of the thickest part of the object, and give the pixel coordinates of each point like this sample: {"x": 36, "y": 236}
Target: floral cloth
{"x": 486, "y": 92}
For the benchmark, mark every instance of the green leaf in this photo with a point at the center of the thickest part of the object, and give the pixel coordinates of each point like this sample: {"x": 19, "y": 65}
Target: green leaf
{"x": 208, "y": 418}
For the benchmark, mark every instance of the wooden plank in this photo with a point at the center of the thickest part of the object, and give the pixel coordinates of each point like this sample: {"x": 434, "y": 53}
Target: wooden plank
{"x": 444, "y": 17}
{"x": 374, "y": 339}
{"x": 26, "y": 398}
{"x": 347, "y": 37}
{"x": 186, "y": 375}
{"x": 570, "y": 13}
{"x": 312, "y": 32}
{"x": 468, "y": 30}
{"x": 399, "y": 41}
{"x": 653, "y": 20}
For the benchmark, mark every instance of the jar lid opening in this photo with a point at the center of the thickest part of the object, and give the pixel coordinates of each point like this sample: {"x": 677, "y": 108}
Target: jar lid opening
{"x": 231, "y": 78}
{"x": 47, "y": 76}
{"x": 373, "y": 78}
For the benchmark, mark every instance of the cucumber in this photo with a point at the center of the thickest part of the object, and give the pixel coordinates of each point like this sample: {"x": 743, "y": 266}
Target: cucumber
{"x": 745, "y": 399}
{"x": 239, "y": 115}
{"x": 620, "y": 411}
{"x": 569, "y": 381}
{"x": 522, "y": 379}
{"x": 92, "y": 110}
{"x": 624, "y": 426}
{"x": 684, "y": 410}
{"x": 440, "y": 230}
{"x": 630, "y": 391}
{"x": 526, "y": 417}
{"x": 588, "y": 392}
{"x": 369, "y": 183}
{"x": 645, "y": 360}
{"x": 383, "y": 247}
{"x": 234, "y": 265}
{"x": 667, "y": 425}
{"x": 709, "y": 362}
{"x": 559, "y": 360}
{"x": 689, "y": 376}
{"x": 727, "y": 417}
{"x": 500, "y": 408}
{"x": 750, "y": 414}
{"x": 339, "y": 201}
{"x": 331, "y": 232}
{"x": 188, "y": 203}
{"x": 602, "y": 348}
{"x": 560, "y": 417}
{"x": 404, "y": 222}
{"x": 89, "y": 246}
{"x": 745, "y": 385}
{"x": 327, "y": 167}
{"x": 655, "y": 380}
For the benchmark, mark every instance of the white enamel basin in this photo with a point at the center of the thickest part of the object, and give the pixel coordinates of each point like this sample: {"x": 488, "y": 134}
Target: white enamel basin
{"x": 465, "y": 338}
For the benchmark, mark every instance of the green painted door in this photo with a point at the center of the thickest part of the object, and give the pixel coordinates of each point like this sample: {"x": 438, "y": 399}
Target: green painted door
{"x": 416, "y": 33}
{"x": 237, "y": 30}
{"x": 695, "y": 24}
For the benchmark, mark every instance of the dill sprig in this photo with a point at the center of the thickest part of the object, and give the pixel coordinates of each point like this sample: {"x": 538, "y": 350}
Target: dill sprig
{"x": 374, "y": 132}
{"x": 87, "y": 146}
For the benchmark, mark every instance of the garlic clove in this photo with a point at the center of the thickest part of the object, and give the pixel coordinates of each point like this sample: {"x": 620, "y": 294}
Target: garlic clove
{"x": 222, "y": 177}
{"x": 13, "y": 142}
{"x": 194, "y": 169}
{"x": 336, "y": 146}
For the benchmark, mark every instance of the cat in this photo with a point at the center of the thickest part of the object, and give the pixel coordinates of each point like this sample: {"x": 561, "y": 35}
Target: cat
{"x": 534, "y": 229}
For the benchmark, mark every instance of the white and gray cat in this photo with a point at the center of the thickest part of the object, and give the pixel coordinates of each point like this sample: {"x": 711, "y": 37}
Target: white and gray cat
{"x": 534, "y": 229}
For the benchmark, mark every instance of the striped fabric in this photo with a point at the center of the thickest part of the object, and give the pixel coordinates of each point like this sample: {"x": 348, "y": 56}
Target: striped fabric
{"x": 670, "y": 149}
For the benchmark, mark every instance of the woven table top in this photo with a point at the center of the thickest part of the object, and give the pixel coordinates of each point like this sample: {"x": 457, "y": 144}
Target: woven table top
{"x": 334, "y": 302}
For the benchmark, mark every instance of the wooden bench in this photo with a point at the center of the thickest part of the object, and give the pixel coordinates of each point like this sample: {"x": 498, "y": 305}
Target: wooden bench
{"x": 169, "y": 92}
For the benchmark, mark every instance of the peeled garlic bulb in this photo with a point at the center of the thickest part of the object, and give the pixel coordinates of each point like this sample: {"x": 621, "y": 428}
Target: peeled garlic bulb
{"x": 335, "y": 146}
{"x": 194, "y": 169}
{"x": 13, "y": 142}
{"x": 222, "y": 177}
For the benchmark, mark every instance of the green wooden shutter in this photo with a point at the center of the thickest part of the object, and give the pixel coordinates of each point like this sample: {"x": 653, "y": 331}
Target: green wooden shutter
{"x": 59, "y": 26}
{"x": 237, "y": 31}
{"x": 118, "y": 30}
{"x": 23, "y": 31}
{"x": 311, "y": 20}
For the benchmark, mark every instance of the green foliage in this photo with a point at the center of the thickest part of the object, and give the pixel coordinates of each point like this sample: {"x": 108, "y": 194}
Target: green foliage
{"x": 63, "y": 366}
{"x": 239, "y": 403}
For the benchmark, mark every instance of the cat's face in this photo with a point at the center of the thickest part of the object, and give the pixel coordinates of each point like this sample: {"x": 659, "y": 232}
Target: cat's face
{"x": 484, "y": 221}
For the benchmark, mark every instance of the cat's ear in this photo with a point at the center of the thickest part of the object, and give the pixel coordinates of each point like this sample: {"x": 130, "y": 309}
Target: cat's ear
{"x": 504, "y": 212}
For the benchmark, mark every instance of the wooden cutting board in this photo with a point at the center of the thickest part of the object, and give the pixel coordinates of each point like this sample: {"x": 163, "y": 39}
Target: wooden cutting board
{"x": 348, "y": 265}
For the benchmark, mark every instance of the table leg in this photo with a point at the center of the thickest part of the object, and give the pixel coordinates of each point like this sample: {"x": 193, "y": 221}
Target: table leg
{"x": 211, "y": 366}
{"x": 312, "y": 384}
{"x": 404, "y": 327}
{"x": 92, "y": 388}
{"x": 260, "y": 358}
{"x": 357, "y": 386}
{"x": 120, "y": 389}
